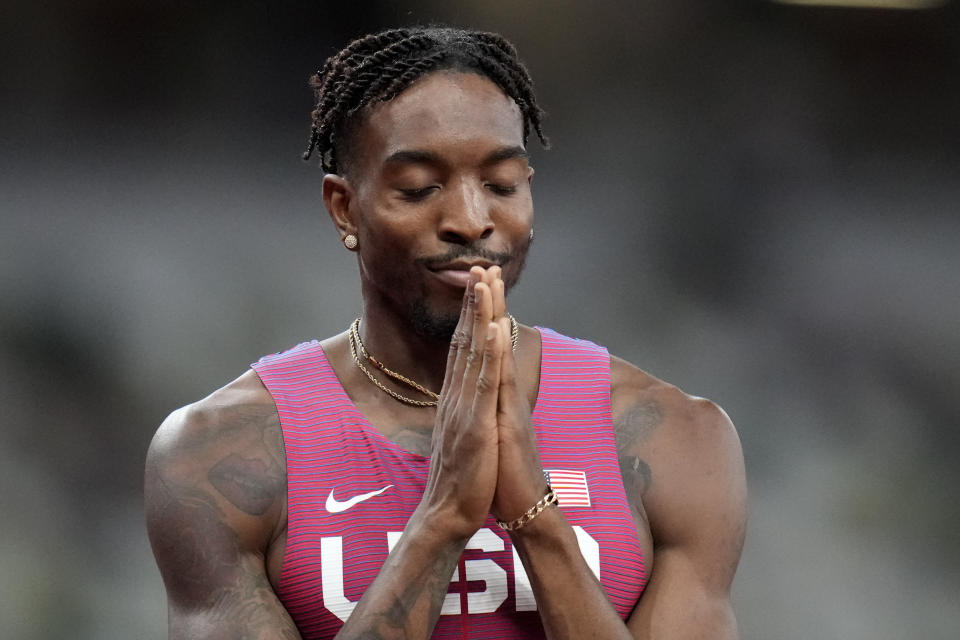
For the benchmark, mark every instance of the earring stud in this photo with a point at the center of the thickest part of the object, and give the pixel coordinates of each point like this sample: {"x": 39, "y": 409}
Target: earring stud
{"x": 350, "y": 241}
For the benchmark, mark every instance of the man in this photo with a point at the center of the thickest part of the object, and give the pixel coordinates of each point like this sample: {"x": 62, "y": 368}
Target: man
{"x": 547, "y": 490}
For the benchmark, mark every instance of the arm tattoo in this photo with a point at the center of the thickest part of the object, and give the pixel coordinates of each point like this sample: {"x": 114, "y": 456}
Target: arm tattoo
{"x": 397, "y": 619}
{"x": 205, "y": 565}
{"x": 415, "y": 439}
{"x": 196, "y": 546}
{"x": 248, "y": 483}
{"x": 631, "y": 429}
{"x": 252, "y": 484}
{"x": 637, "y": 476}
{"x": 636, "y": 424}
{"x": 249, "y": 609}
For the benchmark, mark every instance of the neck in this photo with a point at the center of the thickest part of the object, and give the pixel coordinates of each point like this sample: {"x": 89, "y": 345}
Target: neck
{"x": 392, "y": 340}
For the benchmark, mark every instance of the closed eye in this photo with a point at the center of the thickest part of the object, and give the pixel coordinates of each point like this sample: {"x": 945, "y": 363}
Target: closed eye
{"x": 502, "y": 190}
{"x": 414, "y": 195}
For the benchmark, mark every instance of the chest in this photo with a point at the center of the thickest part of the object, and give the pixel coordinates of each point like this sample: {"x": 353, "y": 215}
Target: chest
{"x": 351, "y": 488}
{"x": 351, "y": 491}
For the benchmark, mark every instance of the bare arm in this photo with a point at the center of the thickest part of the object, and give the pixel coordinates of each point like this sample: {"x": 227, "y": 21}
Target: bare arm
{"x": 215, "y": 486}
{"x": 683, "y": 468}
{"x": 693, "y": 490}
{"x": 214, "y": 489}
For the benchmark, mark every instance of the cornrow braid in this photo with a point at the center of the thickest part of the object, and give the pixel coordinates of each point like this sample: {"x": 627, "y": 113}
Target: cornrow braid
{"x": 499, "y": 48}
{"x": 388, "y": 88}
{"x": 380, "y": 66}
{"x": 371, "y": 69}
{"x": 329, "y": 80}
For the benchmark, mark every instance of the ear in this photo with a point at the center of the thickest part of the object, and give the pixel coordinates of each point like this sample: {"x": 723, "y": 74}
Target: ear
{"x": 530, "y": 173}
{"x": 337, "y": 196}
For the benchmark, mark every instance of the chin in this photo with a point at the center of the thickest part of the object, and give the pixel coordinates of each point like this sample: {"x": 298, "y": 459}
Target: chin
{"x": 433, "y": 322}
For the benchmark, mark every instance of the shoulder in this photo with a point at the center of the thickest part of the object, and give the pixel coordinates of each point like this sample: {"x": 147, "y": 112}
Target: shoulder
{"x": 230, "y": 417}
{"x": 240, "y": 402}
{"x": 225, "y": 453}
{"x": 681, "y": 457}
{"x": 644, "y": 406}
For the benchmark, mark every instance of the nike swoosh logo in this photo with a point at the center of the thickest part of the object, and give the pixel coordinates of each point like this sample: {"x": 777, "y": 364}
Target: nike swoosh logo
{"x": 335, "y": 506}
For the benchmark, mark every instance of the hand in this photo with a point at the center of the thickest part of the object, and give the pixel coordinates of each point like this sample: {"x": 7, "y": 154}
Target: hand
{"x": 464, "y": 456}
{"x": 520, "y": 481}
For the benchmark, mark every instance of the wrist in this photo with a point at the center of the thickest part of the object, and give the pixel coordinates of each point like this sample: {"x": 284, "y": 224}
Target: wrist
{"x": 514, "y": 498}
{"x": 439, "y": 526}
{"x": 548, "y": 501}
{"x": 550, "y": 529}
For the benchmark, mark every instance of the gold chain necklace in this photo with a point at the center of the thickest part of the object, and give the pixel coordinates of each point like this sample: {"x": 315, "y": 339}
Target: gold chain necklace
{"x": 357, "y": 349}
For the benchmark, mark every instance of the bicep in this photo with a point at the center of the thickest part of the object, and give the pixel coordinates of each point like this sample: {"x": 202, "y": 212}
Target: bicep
{"x": 246, "y": 607}
{"x": 696, "y": 504}
{"x": 679, "y": 604}
{"x": 207, "y": 551}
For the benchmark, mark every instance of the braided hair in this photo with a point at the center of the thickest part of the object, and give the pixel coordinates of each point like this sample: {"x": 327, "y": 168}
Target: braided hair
{"x": 378, "y": 67}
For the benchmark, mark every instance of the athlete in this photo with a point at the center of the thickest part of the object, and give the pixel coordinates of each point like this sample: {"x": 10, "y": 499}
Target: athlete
{"x": 438, "y": 469}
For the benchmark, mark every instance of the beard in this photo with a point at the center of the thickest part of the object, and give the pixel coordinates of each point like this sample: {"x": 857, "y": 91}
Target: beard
{"x": 432, "y": 323}
{"x": 441, "y": 323}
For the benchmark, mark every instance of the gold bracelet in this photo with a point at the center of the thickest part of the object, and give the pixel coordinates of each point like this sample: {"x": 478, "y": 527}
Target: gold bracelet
{"x": 532, "y": 512}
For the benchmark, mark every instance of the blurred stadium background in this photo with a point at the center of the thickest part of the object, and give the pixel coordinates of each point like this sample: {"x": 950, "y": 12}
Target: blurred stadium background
{"x": 755, "y": 201}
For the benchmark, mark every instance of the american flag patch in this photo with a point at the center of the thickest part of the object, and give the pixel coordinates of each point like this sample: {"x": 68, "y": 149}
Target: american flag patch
{"x": 570, "y": 487}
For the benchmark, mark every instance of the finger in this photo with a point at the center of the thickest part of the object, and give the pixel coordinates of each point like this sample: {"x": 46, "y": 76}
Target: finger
{"x": 508, "y": 365}
{"x": 457, "y": 340}
{"x": 482, "y": 317}
{"x": 490, "y": 274}
{"x": 499, "y": 298}
{"x": 493, "y": 274}
{"x": 488, "y": 379}
{"x": 466, "y": 348}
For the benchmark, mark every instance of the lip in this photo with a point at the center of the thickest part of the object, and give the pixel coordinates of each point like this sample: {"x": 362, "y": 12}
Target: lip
{"x": 457, "y": 273}
{"x": 461, "y": 265}
{"x": 454, "y": 277}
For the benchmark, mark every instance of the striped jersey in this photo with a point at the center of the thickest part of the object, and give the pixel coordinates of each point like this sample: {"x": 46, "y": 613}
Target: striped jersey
{"x": 350, "y": 492}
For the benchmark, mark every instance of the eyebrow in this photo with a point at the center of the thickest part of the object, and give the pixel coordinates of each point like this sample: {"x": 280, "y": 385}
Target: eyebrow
{"x": 413, "y": 156}
{"x": 505, "y": 153}
{"x": 418, "y": 156}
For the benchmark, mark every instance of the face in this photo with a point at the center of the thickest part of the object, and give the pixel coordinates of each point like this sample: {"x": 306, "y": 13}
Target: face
{"x": 438, "y": 181}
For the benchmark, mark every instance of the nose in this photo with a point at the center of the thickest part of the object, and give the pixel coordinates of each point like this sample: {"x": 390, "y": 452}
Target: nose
{"x": 466, "y": 216}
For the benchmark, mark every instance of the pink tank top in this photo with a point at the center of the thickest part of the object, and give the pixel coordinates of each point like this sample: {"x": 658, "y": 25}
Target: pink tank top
{"x": 351, "y": 491}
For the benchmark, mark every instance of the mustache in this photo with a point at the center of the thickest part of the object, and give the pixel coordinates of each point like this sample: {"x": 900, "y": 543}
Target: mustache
{"x": 467, "y": 251}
